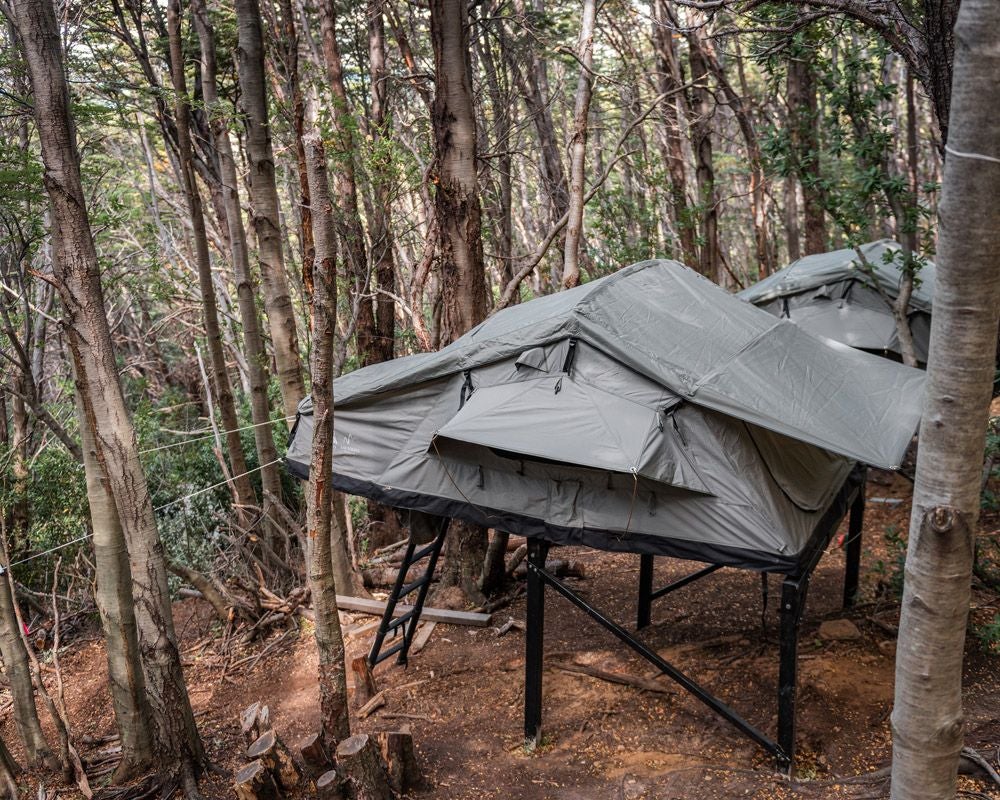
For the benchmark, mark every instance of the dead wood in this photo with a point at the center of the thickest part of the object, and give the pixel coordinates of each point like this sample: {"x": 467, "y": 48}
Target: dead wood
{"x": 372, "y": 705}
{"x": 364, "y": 682}
{"x": 254, "y": 782}
{"x": 635, "y": 681}
{"x": 272, "y": 753}
{"x": 400, "y": 760}
{"x": 360, "y": 761}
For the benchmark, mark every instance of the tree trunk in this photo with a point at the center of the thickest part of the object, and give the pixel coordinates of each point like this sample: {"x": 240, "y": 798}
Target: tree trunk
{"x": 702, "y": 111}
{"x": 383, "y": 348}
{"x": 803, "y": 122}
{"x": 246, "y": 288}
{"x": 668, "y": 82}
{"x": 329, "y": 639}
{"x": 264, "y": 206}
{"x": 242, "y": 487}
{"x": 18, "y": 672}
{"x": 76, "y": 271}
{"x": 578, "y": 147}
{"x": 456, "y": 199}
{"x": 9, "y": 771}
{"x": 927, "y": 713}
{"x": 117, "y": 610}
{"x": 348, "y": 218}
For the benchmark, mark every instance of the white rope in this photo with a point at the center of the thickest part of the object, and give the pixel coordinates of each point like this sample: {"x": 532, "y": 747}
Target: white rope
{"x": 212, "y": 435}
{"x": 976, "y": 156}
{"x": 86, "y": 536}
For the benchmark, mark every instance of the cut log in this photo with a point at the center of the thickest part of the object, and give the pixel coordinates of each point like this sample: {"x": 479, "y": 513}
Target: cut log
{"x": 372, "y": 705}
{"x": 254, "y": 782}
{"x": 364, "y": 681}
{"x": 516, "y": 559}
{"x": 249, "y": 722}
{"x": 428, "y": 614}
{"x": 329, "y": 786}
{"x": 314, "y": 755}
{"x": 400, "y": 760}
{"x": 360, "y": 761}
{"x": 269, "y": 750}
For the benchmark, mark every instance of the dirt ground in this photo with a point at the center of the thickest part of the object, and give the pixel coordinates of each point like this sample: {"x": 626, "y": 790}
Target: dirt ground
{"x": 463, "y": 692}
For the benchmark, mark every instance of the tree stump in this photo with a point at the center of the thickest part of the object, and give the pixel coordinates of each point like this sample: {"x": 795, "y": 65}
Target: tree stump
{"x": 270, "y": 751}
{"x": 255, "y": 719}
{"x": 329, "y": 786}
{"x": 314, "y": 754}
{"x": 359, "y": 760}
{"x": 254, "y": 782}
{"x": 400, "y": 760}
{"x": 364, "y": 682}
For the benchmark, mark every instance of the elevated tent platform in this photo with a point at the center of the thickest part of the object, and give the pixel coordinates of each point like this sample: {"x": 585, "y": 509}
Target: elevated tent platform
{"x": 835, "y": 296}
{"x": 648, "y": 412}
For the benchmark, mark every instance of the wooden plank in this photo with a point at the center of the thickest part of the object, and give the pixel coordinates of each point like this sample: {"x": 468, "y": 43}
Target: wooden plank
{"x": 423, "y": 634}
{"x": 445, "y": 615}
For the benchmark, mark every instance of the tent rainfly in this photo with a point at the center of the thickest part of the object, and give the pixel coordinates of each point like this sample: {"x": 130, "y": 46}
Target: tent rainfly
{"x": 836, "y": 296}
{"x": 648, "y": 412}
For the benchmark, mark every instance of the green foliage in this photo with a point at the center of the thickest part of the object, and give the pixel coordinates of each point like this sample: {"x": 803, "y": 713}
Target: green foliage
{"x": 890, "y": 570}
{"x": 988, "y": 634}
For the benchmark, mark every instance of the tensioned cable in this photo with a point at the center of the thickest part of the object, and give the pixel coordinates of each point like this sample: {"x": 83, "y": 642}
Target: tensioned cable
{"x": 86, "y": 536}
{"x": 212, "y": 435}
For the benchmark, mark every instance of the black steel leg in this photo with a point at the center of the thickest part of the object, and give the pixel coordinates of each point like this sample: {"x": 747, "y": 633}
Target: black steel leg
{"x": 852, "y": 568}
{"x": 644, "y": 616}
{"x": 534, "y": 639}
{"x": 793, "y": 598}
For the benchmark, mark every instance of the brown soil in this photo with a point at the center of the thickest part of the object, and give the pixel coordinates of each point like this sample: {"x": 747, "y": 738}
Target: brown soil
{"x": 601, "y": 740}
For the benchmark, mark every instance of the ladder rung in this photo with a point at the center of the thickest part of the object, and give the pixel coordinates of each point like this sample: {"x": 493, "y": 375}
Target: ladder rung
{"x": 390, "y": 652}
{"x": 425, "y": 551}
{"x": 414, "y": 585}
{"x": 400, "y": 620}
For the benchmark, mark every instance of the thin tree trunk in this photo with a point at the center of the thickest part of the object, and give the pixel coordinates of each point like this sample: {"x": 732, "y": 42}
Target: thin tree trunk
{"x": 927, "y": 713}
{"x": 702, "y": 111}
{"x": 76, "y": 271}
{"x": 9, "y": 770}
{"x": 578, "y": 147}
{"x": 349, "y": 226}
{"x": 264, "y": 206}
{"x": 18, "y": 672}
{"x": 803, "y": 123}
{"x": 669, "y": 82}
{"x": 246, "y": 286}
{"x": 792, "y": 231}
{"x": 383, "y": 347}
{"x": 334, "y": 716}
{"x": 243, "y": 489}
{"x": 117, "y": 610}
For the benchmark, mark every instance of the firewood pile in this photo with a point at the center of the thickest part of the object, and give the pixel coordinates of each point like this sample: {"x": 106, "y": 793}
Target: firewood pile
{"x": 376, "y": 766}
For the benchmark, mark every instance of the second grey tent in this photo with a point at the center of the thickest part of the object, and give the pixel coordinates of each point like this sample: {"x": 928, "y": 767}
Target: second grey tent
{"x": 649, "y": 411}
{"x": 834, "y": 295}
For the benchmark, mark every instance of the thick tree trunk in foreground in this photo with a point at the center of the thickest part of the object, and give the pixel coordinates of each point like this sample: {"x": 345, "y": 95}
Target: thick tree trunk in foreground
{"x": 927, "y": 714}
{"x": 117, "y": 610}
{"x": 213, "y": 332}
{"x": 264, "y": 206}
{"x": 578, "y": 147}
{"x": 76, "y": 271}
{"x": 456, "y": 199}
{"x": 319, "y": 518}
{"x": 246, "y": 287}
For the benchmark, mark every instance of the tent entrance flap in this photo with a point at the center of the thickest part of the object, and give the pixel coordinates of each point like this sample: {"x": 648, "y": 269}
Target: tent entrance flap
{"x": 558, "y": 419}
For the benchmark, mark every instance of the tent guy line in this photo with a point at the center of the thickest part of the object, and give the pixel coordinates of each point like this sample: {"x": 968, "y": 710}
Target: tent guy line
{"x": 33, "y": 556}
{"x": 213, "y": 435}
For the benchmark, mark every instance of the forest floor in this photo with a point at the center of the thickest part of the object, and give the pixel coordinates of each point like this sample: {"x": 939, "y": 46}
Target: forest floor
{"x": 602, "y": 740}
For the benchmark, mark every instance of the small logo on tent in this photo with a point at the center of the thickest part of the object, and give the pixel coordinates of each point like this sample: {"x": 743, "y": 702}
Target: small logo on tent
{"x": 347, "y": 446}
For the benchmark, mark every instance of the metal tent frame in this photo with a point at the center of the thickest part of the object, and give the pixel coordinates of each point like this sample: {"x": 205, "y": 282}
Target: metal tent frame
{"x": 850, "y": 500}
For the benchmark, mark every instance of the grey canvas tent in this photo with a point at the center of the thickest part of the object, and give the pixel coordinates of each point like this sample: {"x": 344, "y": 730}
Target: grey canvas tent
{"x": 835, "y": 296}
{"x": 647, "y": 412}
